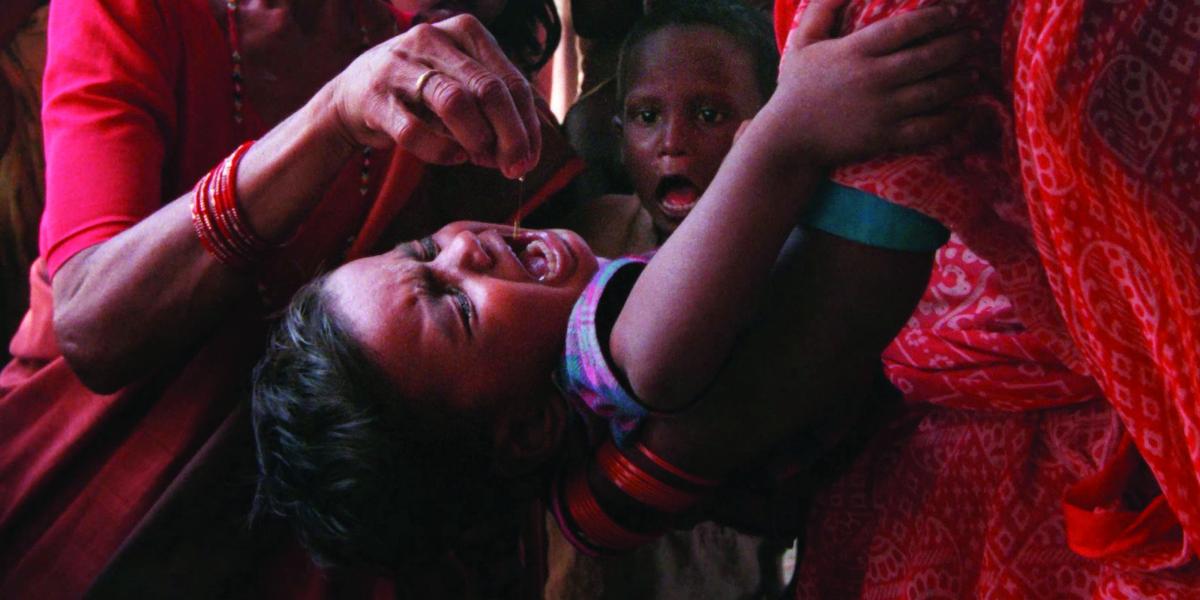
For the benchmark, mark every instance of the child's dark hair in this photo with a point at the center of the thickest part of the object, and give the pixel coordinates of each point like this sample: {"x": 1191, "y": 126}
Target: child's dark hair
{"x": 363, "y": 477}
{"x": 749, "y": 27}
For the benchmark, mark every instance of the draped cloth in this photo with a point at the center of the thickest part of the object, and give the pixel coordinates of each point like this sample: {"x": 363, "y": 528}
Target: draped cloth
{"x": 1074, "y": 274}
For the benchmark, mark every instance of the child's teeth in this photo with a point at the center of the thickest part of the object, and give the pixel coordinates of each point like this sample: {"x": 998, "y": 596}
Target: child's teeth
{"x": 551, "y": 259}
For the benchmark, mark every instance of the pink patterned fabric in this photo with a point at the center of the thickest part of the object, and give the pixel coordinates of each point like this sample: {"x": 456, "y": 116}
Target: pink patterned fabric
{"x": 1074, "y": 274}
{"x": 965, "y": 346}
{"x": 953, "y": 503}
{"x": 585, "y": 374}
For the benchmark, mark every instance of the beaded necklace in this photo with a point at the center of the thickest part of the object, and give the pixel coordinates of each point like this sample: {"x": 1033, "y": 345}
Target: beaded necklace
{"x": 239, "y": 103}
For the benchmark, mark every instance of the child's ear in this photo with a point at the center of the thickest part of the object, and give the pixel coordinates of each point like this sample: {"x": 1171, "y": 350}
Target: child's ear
{"x": 618, "y": 124}
{"x": 525, "y": 440}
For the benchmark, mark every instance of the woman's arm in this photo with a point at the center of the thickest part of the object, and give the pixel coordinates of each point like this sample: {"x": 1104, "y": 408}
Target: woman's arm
{"x": 837, "y": 100}
{"x": 151, "y": 292}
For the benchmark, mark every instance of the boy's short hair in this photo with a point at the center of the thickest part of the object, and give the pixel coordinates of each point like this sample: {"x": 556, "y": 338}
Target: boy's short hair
{"x": 362, "y": 476}
{"x": 749, "y": 27}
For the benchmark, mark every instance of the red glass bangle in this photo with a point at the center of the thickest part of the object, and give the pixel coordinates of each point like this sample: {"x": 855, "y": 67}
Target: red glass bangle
{"x": 202, "y": 221}
{"x": 239, "y": 226}
{"x": 209, "y": 231}
{"x": 566, "y": 524}
{"x": 221, "y": 227}
{"x": 640, "y": 485}
{"x": 594, "y": 524}
{"x": 221, "y": 216}
{"x": 672, "y": 469}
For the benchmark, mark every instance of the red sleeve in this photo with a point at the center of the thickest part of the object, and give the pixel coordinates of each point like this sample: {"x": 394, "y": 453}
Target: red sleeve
{"x": 785, "y": 14}
{"x": 108, "y": 113}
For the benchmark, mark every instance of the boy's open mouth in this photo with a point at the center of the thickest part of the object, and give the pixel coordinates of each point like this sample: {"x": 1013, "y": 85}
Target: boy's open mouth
{"x": 542, "y": 254}
{"x": 677, "y": 196}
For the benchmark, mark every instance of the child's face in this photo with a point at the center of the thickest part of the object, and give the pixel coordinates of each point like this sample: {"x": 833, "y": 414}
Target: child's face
{"x": 469, "y": 315}
{"x": 689, "y": 89}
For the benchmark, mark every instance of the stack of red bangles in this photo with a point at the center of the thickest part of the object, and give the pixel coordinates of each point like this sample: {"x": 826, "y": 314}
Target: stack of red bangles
{"x": 221, "y": 227}
{"x": 660, "y": 488}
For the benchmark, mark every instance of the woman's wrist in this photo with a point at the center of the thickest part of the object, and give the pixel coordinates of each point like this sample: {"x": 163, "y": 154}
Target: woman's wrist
{"x": 787, "y": 151}
{"x": 327, "y": 113}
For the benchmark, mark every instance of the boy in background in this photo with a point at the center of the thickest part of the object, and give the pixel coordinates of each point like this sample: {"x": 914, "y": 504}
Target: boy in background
{"x": 690, "y": 73}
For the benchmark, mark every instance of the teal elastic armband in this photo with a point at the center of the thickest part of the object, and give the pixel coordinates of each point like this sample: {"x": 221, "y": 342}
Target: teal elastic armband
{"x": 868, "y": 219}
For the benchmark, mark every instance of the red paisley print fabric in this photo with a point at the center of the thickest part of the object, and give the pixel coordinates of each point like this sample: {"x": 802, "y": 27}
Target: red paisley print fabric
{"x": 1058, "y": 342}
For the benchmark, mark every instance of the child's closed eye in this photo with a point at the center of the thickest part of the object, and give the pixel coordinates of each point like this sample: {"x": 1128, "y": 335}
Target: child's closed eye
{"x": 462, "y": 304}
{"x": 428, "y": 249}
{"x": 422, "y": 250}
{"x": 434, "y": 286}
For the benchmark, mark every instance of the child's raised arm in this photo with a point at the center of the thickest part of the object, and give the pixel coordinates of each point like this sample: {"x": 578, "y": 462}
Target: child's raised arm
{"x": 887, "y": 87}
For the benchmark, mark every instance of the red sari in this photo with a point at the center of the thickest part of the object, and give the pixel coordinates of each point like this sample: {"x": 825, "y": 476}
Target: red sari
{"x": 1057, "y": 343}
{"x": 137, "y": 107}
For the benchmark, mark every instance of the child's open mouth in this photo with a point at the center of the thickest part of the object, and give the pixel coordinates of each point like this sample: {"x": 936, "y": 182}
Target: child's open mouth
{"x": 677, "y": 196}
{"x": 542, "y": 254}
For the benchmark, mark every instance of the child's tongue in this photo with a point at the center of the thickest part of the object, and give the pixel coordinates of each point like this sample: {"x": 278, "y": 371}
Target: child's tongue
{"x": 536, "y": 265}
{"x": 681, "y": 198}
{"x": 535, "y": 260}
{"x": 678, "y": 201}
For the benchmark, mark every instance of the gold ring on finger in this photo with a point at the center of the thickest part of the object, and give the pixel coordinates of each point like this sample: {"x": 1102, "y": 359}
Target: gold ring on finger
{"x": 422, "y": 80}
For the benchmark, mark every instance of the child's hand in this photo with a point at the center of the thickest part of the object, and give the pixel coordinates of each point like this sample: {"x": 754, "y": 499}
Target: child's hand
{"x": 887, "y": 87}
